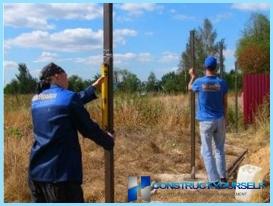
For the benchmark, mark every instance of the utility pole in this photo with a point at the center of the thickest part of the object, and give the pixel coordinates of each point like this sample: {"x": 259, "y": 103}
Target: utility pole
{"x": 107, "y": 93}
{"x": 192, "y": 103}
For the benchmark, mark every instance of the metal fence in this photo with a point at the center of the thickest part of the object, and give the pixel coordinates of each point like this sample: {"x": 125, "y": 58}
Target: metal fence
{"x": 256, "y": 89}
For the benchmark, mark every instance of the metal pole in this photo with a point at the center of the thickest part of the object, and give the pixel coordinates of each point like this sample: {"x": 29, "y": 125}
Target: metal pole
{"x": 186, "y": 80}
{"x": 108, "y": 61}
{"x": 236, "y": 97}
{"x": 221, "y": 59}
{"x": 192, "y": 103}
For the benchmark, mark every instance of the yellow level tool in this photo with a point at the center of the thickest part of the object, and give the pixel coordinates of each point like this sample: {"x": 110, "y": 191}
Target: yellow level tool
{"x": 104, "y": 96}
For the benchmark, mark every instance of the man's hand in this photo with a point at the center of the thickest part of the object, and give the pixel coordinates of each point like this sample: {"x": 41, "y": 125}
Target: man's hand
{"x": 192, "y": 73}
{"x": 98, "y": 82}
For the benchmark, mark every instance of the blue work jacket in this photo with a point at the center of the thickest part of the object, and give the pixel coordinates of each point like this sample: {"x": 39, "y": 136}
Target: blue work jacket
{"x": 57, "y": 115}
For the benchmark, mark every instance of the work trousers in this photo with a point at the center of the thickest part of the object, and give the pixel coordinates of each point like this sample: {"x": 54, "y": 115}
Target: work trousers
{"x": 62, "y": 192}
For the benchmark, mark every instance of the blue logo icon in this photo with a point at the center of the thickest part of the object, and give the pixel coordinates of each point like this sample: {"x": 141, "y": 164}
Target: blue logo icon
{"x": 145, "y": 188}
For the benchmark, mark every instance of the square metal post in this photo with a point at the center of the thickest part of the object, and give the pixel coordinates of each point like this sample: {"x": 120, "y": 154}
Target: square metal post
{"x": 192, "y": 104}
{"x": 108, "y": 61}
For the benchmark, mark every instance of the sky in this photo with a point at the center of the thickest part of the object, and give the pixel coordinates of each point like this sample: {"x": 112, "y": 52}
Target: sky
{"x": 147, "y": 37}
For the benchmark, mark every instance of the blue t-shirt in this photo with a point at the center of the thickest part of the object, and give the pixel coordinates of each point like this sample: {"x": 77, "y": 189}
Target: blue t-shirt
{"x": 211, "y": 91}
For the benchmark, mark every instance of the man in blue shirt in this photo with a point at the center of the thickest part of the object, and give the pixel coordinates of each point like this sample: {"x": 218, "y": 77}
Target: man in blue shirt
{"x": 55, "y": 169}
{"x": 211, "y": 112}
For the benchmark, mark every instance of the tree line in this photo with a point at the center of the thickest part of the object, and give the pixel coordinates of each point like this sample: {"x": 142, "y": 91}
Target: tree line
{"x": 123, "y": 80}
{"x": 252, "y": 54}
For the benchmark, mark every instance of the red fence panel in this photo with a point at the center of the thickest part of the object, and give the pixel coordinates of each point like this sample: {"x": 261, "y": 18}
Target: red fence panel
{"x": 255, "y": 90}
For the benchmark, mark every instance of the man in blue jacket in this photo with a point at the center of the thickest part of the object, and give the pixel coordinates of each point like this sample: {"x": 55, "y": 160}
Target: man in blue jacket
{"x": 211, "y": 112}
{"x": 55, "y": 169}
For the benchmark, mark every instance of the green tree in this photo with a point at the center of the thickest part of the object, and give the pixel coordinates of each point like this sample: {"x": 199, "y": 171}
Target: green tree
{"x": 24, "y": 82}
{"x": 27, "y": 84}
{"x": 208, "y": 36}
{"x": 221, "y": 59}
{"x": 230, "y": 79}
{"x": 172, "y": 82}
{"x": 253, "y": 49}
{"x": 152, "y": 83}
{"x": 205, "y": 44}
{"x": 12, "y": 87}
{"x": 76, "y": 83}
{"x": 186, "y": 56}
{"x": 127, "y": 81}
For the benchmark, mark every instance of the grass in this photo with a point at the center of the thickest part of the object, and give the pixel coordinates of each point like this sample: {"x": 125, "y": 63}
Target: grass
{"x": 152, "y": 136}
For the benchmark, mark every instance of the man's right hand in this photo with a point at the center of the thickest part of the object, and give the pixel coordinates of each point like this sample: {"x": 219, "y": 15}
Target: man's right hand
{"x": 98, "y": 82}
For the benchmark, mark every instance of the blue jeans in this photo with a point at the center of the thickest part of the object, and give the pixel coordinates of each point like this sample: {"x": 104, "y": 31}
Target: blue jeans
{"x": 215, "y": 164}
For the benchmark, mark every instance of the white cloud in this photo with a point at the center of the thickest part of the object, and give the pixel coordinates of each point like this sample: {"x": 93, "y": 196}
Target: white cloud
{"x": 128, "y": 55}
{"x": 223, "y": 16}
{"x": 167, "y": 57}
{"x": 122, "y": 58}
{"x": 120, "y": 34}
{"x": 47, "y": 57}
{"x": 182, "y": 17}
{"x": 77, "y": 11}
{"x": 91, "y": 60}
{"x": 251, "y": 6}
{"x": 27, "y": 15}
{"x": 132, "y": 10}
{"x": 144, "y": 57}
{"x": 119, "y": 58}
{"x": 36, "y": 16}
{"x": 137, "y": 9}
{"x": 10, "y": 64}
{"x": 228, "y": 53}
{"x": 69, "y": 40}
{"x": 123, "y": 19}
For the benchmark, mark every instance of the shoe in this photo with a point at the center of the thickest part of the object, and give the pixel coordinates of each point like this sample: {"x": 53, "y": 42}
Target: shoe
{"x": 223, "y": 179}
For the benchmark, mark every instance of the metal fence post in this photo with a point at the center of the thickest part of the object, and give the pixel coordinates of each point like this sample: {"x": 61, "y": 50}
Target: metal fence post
{"x": 108, "y": 61}
{"x": 192, "y": 103}
{"x": 221, "y": 59}
{"x": 236, "y": 97}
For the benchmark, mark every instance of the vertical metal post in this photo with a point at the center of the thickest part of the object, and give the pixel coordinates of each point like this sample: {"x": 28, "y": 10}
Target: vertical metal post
{"x": 192, "y": 103}
{"x": 221, "y": 59}
{"x": 186, "y": 80}
{"x": 108, "y": 61}
{"x": 236, "y": 97}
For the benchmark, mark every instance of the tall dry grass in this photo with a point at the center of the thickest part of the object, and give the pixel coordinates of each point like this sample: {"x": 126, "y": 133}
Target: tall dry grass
{"x": 17, "y": 141}
{"x": 141, "y": 125}
{"x": 152, "y": 136}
